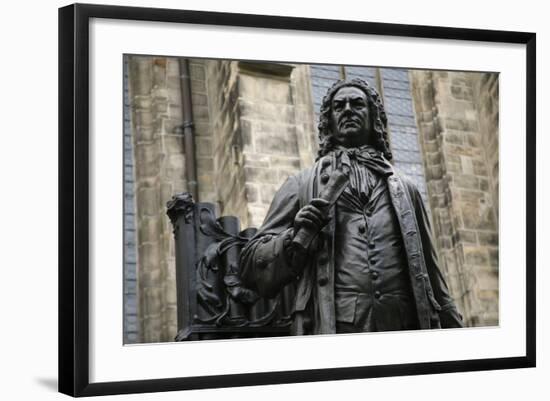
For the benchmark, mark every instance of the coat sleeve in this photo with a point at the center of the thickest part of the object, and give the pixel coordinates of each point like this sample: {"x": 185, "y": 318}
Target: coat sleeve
{"x": 448, "y": 312}
{"x": 266, "y": 263}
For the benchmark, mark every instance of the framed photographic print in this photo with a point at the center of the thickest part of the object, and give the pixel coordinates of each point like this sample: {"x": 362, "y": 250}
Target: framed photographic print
{"x": 250, "y": 199}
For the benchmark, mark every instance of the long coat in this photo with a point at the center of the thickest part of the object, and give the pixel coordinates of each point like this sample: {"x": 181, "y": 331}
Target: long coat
{"x": 265, "y": 264}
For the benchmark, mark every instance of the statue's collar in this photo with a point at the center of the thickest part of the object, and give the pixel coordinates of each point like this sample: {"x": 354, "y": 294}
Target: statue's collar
{"x": 360, "y": 150}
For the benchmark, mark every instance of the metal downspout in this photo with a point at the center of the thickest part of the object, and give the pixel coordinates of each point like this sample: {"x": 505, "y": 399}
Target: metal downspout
{"x": 188, "y": 129}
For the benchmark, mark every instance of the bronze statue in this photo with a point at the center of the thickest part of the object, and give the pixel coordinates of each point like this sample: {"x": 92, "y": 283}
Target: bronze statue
{"x": 351, "y": 232}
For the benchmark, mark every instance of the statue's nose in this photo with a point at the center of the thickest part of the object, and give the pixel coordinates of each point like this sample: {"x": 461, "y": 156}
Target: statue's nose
{"x": 347, "y": 107}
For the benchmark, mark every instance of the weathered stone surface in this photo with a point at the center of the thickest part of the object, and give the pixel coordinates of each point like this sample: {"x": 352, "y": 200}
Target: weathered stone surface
{"x": 475, "y": 256}
{"x": 260, "y": 175}
{"x": 488, "y": 238}
{"x": 464, "y": 202}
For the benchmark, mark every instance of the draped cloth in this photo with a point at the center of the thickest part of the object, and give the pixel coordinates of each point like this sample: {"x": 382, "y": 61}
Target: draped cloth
{"x": 361, "y": 180}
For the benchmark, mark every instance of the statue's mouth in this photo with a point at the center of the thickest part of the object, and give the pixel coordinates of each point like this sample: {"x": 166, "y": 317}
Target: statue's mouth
{"x": 349, "y": 123}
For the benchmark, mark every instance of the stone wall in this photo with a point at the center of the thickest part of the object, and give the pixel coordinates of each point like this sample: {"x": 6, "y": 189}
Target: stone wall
{"x": 455, "y": 132}
{"x": 263, "y": 125}
{"x": 159, "y": 158}
{"x": 486, "y": 95}
{"x": 159, "y": 165}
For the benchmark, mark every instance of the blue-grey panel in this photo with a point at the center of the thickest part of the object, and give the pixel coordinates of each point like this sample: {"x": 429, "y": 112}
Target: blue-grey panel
{"x": 402, "y": 126}
{"x": 395, "y": 74}
{"x": 130, "y": 323}
{"x": 398, "y": 119}
{"x": 322, "y": 78}
{"x": 399, "y": 106}
{"x": 331, "y": 72}
{"x": 404, "y": 142}
{"x": 365, "y": 73}
{"x": 397, "y": 93}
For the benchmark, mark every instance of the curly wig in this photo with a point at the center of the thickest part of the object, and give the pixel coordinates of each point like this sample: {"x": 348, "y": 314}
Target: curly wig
{"x": 378, "y": 119}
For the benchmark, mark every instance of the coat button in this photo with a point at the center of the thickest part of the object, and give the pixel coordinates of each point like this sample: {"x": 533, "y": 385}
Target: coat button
{"x": 377, "y": 294}
{"x": 371, "y": 244}
{"x": 324, "y": 178}
{"x": 374, "y": 275}
{"x": 323, "y": 281}
{"x": 362, "y": 229}
{"x": 325, "y": 162}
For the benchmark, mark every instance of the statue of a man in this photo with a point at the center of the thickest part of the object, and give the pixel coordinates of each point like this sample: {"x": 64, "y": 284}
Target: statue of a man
{"x": 370, "y": 264}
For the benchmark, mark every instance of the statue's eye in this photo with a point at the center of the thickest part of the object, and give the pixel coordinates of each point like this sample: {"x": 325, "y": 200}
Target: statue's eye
{"x": 338, "y": 106}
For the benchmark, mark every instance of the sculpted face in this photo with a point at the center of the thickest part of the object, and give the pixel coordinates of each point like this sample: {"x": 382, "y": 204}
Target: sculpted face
{"x": 350, "y": 117}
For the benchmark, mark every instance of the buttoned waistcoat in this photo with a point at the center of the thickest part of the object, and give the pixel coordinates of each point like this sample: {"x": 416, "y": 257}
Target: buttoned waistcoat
{"x": 265, "y": 265}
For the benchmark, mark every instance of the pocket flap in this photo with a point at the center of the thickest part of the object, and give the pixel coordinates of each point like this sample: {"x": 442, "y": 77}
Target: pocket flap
{"x": 434, "y": 302}
{"x": 345, "y": 307}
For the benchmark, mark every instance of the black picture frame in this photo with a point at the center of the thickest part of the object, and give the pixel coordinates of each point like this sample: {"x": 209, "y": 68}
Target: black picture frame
{"x": 74, "y": 194}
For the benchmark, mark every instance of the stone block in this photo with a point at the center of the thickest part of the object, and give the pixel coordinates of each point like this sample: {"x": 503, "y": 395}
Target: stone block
{"x": 160, "y": 105}
{"x": 148, "y": 202}
{"x": 141, "y": 75}
{"x": 170, "y": 293}
{"x": 200, "y": 113}
{"x": 199, "y": 99}
{"x": 149, "y": 264}
{"x": 467, "y": 165}
{"x": 493, "y": 257}
{"x": 266, "y": 89}
{"x": 454, "y": 137}
{"x": 484, "y": 184}
{"x": 267, "y": 193}
{"x": 203, "y": 128}
{"x": 149, "y": 229}
{"x": 166, "y": 192}
{"x": 205, "y": 164}
{"x": 265, "y": 111}
{"x": 174, "y": 110}
{"x": 252, "y": 193}
{"x": 151, "y": 328}
{"x": 276, "y": 144}
{"x": 466, "y": 181}
{"x": 262, "y": 162}
{"x": 173, "y": 144}
{"x": 466, "y": 236}
{"x": 260, "y": 175}
{"x": 159, "y": 73}
{"x": 487, "y": 238}
{"x": 485, "y": 280}
{"x": 479, "y": 167}
{"x": 460, "y": 124}
{"x": 174, "y": 169}
{"x": 196, "y": 71}
{"x": 147, "y": 160}
{"x": 246, "y": 130}
{"x": 291, "y": 163}
{"x": 433, "y": 158}
{"x": 143, "y": 117}
{"x": 473, "y": 139}
{"x": 434, "y": 172}
{"x": 472, "y": 196}
{"x": 477, "y": 217}
{"x": 204, "y": 146}
{"x": 172, "y": 67}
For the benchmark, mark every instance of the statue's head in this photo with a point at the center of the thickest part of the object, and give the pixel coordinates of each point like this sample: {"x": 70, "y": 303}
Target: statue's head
{"x": 352, "y": 115}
